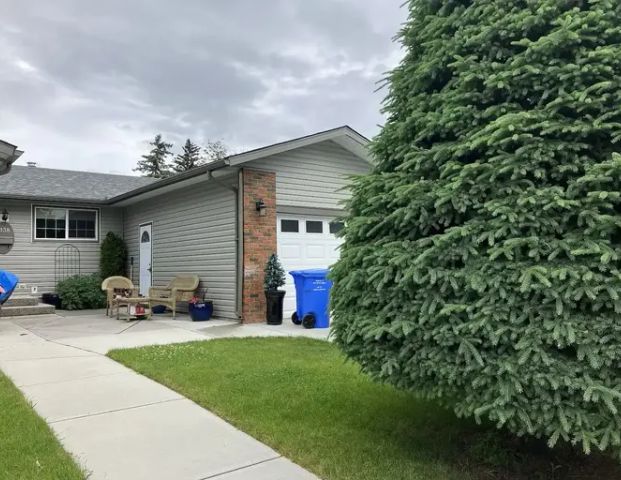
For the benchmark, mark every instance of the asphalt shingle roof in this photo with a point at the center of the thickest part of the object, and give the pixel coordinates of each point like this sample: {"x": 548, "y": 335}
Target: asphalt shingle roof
{"x": 47, "y": 183}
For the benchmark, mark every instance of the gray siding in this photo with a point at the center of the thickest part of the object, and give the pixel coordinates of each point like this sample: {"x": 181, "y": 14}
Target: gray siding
{"x": 33, "y": 260}
{"x": 312, "y": 176}
{"x": 194, "y": 231}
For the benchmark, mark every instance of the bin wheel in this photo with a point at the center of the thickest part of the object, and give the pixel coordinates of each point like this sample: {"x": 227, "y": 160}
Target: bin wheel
{"x": 309, "y": 320}
{"x": 295, "y": 319}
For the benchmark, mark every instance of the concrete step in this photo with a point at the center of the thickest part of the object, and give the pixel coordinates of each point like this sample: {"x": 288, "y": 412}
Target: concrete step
{"x": 20, "y": 311}
{"x": 21, "y": 301}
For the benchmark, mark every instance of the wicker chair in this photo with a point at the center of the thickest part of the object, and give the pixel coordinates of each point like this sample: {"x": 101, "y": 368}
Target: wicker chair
{"x": 110, "y": 284}
{"x": 180, "y": 289}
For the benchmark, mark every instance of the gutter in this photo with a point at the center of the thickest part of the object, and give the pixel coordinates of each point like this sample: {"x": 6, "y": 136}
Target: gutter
{"x": 206, "y": 169}
{"x": 65, "y": 200}
{"x": 180, "y": 177}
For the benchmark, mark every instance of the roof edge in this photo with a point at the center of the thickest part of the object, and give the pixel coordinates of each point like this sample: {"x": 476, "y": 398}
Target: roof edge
{"x": 235, "y": 160}
{"x": 39, "y": 198}
{"x": 287, "y": 145}
{"x": 353, "y": 141}
{"x": 180, "y": 177}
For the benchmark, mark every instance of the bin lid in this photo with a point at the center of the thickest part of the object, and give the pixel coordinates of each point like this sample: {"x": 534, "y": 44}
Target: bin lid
{"x": 311, "y": 273}
{"x": 8, "y": 279}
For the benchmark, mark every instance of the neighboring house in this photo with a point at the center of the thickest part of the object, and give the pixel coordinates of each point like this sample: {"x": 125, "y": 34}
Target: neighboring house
{"x": 220, "y": 221}
{"x": 8, "y": 155}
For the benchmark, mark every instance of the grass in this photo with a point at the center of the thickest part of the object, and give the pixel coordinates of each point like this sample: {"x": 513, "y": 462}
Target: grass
{"x": 28, "y": 448}
{"x": 300, "y": 397}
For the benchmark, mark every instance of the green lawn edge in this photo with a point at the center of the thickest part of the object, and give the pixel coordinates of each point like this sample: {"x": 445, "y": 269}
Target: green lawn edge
{"x": 28, "y": 447}
{"x": 302, "y": 398}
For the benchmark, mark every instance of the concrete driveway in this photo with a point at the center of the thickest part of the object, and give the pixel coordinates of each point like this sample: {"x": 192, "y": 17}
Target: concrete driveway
{"x": 120, "y": 425}
{"x": 93, "y": 331}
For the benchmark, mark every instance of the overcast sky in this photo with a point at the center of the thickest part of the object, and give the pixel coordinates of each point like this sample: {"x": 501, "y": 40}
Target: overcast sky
{"x": 85, "y": 85}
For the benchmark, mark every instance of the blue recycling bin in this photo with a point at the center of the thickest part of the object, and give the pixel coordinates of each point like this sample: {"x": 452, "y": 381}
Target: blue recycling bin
{"x": 312, "y": 296}
{"x": 8, "y": 282}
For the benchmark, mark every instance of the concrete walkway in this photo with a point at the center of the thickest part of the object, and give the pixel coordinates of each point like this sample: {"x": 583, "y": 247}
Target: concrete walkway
{"x": 119, "y": 424}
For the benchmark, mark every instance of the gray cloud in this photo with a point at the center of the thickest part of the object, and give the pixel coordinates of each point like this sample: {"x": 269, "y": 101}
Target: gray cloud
{"x": 87, "y": 84}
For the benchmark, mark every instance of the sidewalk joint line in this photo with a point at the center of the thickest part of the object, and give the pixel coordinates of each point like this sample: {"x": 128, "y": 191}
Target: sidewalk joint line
{"x": 28, "y": 385}
{"x": 134, "y": 407}
{"x": 44, "y": 358}
{"x": 132, "y": 325}
{"x": 216, "y": 475}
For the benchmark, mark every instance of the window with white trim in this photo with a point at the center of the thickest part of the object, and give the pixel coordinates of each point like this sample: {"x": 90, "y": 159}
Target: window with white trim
{"x": 53, "y": 223}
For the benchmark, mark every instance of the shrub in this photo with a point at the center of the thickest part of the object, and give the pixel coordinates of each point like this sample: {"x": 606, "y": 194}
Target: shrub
{"x": 482, "y": 256}
{"x": 113, "y": 258}
{"x": 81, "y": 292}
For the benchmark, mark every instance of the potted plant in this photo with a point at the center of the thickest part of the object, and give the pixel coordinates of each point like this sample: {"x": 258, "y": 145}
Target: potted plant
{"x": 274, "y": 279}
{"x": 200, "y": 309}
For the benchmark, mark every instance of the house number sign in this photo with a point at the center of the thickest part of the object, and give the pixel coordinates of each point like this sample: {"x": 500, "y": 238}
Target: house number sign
{"x": 7, "y": 238}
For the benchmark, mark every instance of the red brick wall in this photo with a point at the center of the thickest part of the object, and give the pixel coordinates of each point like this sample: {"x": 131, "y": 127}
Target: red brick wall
{"x": 259, "y": 240}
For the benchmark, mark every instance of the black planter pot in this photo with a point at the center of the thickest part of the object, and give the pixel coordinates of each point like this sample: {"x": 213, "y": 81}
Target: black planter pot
{"x": 51, "y": 299}
{"x": 274, "y": 300}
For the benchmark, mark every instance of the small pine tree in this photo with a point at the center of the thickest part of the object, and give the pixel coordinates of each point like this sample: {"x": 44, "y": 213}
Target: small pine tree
{"x": 190, "y": 158}
{"x": 113, "y": 258}
{"x": 154, "y": 164}
{"x": 215, "y": 151}
{"x": 274, "y": 274}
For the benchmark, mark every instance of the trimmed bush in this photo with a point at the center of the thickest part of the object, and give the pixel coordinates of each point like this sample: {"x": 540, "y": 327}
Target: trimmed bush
{"x": 482, "y": 260}
{"x": 81, "y": 292}
{"x": 113, "y": 257}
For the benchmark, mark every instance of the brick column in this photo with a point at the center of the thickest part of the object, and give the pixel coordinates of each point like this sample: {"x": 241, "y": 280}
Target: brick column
{"x": 259, "y": 240}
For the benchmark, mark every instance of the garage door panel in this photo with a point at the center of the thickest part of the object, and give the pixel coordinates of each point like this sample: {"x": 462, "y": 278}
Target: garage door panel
{"x": 302, "y": 249}
{"x": 316, "y": 252}
{"x": 290, "y": 252}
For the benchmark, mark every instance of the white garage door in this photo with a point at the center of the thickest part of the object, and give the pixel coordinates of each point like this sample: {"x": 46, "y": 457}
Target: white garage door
{"x": 305, "y": 242}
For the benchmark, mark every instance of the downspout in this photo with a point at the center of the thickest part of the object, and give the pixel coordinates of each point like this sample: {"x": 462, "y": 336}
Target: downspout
{"x": 240, "y": 243}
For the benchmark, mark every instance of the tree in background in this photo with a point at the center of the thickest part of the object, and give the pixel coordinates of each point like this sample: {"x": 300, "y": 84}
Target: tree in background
{"x": 154, "y": 164}
{"x": 215, "y": 150}
{"x": 189, "y": 158}
{"x": 482, "y": 256}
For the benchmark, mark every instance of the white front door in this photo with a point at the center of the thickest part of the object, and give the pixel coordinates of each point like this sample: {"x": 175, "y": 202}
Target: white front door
{"x": 146, "y": 244}
{"x": 305, "y": 242}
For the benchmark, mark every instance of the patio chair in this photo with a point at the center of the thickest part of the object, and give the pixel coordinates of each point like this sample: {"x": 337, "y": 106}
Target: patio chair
{"x": 111, "y": 286}
{"x": 180, "y": 289}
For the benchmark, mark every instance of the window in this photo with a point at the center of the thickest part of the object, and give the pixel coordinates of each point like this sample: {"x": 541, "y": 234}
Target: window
{"x": 313, "y": 226}
{"x": 336, "y": 227}
{"x": 82, "y": 224}
{"x": 289, "y": 226}
{"x": 50, "y": 223}
{"x": 65, "y": 224}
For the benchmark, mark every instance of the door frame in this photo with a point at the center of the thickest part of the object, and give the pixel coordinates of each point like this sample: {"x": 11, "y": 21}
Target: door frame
{"x": 139, "y": 254}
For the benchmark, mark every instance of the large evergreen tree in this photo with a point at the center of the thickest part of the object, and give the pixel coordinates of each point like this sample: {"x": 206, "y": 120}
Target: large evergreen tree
{"x": 189, "y": 158}
{"x": 482, "y": 261}
{"x": 155, "y": 163}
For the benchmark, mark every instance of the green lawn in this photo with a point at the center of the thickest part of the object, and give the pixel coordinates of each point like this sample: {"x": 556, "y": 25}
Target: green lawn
{"x": 300, "y": 397}
{"x": 28, "y": 448}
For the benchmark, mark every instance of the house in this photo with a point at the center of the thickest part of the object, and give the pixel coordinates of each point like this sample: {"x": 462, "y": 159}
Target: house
{"x": 220, "y": 221}
{"x": 8, "y": 155}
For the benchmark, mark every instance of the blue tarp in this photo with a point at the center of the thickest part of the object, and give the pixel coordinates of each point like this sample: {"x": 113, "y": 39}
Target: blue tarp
{"x": 8, "y": 282}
